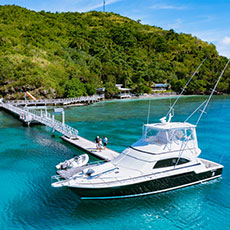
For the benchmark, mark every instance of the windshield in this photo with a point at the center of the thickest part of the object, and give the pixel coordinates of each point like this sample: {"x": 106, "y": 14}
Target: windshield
{"x": 181, "y": 135}
{"x": 153, "y": 135}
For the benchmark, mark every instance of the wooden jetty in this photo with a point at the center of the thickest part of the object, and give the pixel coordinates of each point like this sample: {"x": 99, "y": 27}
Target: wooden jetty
{"x": 90, "y": 147}
{"x": 69, "y": 134}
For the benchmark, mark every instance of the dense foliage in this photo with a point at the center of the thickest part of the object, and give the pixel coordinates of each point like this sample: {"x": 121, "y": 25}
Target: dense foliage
{"x": 71, "y": 54}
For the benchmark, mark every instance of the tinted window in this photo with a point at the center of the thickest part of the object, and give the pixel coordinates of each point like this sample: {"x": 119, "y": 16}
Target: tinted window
{"x": 170, "y": 162}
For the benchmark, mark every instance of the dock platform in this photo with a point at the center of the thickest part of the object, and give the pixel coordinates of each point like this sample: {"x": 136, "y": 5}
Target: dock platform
{"x": 90, "y": 147}
{"x": 58, "y": 101}
{"x": 69, "y": 134}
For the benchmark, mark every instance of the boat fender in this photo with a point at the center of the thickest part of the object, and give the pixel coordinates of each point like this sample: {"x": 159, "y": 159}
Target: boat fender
{"x": 90, "y": 172}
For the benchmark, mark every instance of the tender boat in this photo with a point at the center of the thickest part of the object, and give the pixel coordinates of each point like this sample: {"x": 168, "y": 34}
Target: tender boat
{"x": 77, "y": 161}
{"x": 165, "y": 158}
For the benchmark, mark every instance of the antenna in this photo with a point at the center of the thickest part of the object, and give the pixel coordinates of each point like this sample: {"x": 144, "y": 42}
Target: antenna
{"x": 172, "y": 107}
{"x": 170, "y": 96}
{"x": 202, "y": 112}
{"x": 103, "y": 5}
{"x": 148, "y": 112}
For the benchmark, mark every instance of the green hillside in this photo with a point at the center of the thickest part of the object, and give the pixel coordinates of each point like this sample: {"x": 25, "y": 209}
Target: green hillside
{"x": 71, "y": 54}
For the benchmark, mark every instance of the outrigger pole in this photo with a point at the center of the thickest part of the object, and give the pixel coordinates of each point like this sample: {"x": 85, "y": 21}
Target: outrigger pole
{"x": 214, "y": 89}
{"x": 148, "y": 112}
{"x": 172, "y": 107}
{"x": 205, "y": 103}
{"x": 195, "y": 111}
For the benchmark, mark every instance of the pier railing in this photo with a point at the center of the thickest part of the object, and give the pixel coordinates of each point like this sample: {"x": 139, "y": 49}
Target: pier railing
{"x": 42, "y": 117}
{"x": 58, "y": 101}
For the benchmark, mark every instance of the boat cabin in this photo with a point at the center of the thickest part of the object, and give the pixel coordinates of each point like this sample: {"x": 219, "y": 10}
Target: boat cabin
{"x": 169, "y": 137}
{"x": 168, "y": 132}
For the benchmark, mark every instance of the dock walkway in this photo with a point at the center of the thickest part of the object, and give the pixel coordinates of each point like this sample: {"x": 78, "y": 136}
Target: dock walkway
{"x": 58, "y": 101}
{"x": 43, "y": 118}
{"x": 90, "y": 147}
{"x": 69, "y": 134}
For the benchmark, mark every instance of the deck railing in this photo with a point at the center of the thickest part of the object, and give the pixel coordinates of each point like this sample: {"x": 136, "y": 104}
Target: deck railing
{"x": 42, "y": 117}
{"x": 62, "y": 101}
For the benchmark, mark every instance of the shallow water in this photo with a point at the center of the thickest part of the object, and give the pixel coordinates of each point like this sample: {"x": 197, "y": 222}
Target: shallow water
{"x": 28, "y": 156}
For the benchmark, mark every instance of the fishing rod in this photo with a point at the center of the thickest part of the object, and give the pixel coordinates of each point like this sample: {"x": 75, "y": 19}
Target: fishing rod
{"x": 195, "y": 111}
{"x": 148, "y": 112}
{"x": 213, "y": 90}
{"x": 172, "y": 107}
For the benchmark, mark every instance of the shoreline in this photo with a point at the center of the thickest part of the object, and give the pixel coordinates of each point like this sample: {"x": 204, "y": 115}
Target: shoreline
{"x": 147, "y": 97}
{"x": 133, "y": 98}
{"x": 143, "y": 97}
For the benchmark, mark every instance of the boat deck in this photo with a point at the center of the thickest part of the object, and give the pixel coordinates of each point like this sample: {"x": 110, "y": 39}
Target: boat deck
{"x": 90, "y": 147}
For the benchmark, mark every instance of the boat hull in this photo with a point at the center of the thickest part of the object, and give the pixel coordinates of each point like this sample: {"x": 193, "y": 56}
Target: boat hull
{"x": 148, "y": 187}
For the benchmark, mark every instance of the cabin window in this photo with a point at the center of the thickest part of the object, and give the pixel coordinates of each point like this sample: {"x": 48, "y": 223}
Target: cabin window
{"x": 189, "y": 133}
{"x": 151, "y": 133}
{"x": 181, "y": 135}
{"x": 152, "y": 136}
{"x": 170, "y": 162}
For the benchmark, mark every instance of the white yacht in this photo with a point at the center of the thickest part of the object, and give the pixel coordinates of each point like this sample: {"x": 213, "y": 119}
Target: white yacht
{"x": 165, "y": 158}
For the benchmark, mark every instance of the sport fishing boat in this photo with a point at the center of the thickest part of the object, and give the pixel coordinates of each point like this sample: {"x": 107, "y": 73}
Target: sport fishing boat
{"x": 166, "y": 157}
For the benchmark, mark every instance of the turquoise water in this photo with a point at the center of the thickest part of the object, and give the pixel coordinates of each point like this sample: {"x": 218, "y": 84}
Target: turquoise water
{"x": 28, "y": 156}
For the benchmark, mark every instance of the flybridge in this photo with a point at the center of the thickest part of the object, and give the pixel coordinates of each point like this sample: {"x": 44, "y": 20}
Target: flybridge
{"x": 162, "y": 134}
{"x": 170, "y": 125}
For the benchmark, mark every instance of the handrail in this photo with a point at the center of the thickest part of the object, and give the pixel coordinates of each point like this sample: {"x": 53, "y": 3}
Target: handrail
{"x": 45, "y": 119}
{"x": 137, "y": 178}
{"x": 56, "y": 101}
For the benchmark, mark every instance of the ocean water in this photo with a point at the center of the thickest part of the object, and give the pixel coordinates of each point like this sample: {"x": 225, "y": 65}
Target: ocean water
{"x": 28, "y": 156}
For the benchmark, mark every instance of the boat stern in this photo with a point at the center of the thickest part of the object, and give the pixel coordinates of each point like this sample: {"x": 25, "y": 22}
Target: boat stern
{"x": 213, "y": 167}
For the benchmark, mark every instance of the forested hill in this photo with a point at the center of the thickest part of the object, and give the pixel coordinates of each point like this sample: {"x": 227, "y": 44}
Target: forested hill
{"x": 71, "y": 54}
